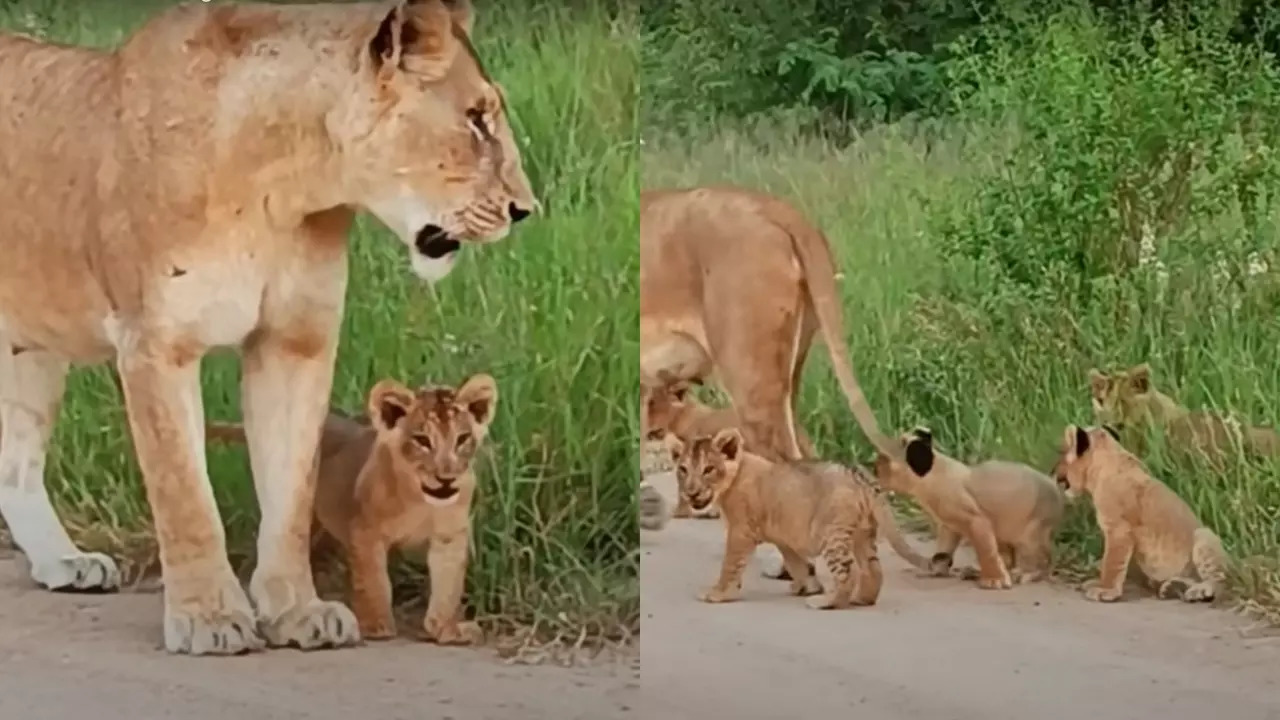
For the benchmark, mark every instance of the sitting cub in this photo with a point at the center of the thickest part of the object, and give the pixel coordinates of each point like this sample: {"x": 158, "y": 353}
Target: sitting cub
{"x": 1141, "y": 519}
{"x": 805, "y": 508}
{"x": 405, "y": 479}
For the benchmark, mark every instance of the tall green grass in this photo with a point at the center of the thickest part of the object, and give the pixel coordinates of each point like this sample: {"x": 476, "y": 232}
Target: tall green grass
{"x": 551, "y": 313}
{"x": 1102, "y": 194}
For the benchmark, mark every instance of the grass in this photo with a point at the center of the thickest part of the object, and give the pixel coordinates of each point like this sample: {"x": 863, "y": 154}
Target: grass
{"x": 550, "y": 312}
{"x": 1002, "y": 379}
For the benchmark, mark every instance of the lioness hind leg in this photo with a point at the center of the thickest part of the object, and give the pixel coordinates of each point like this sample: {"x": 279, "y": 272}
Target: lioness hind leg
{"x": 31, "y": 389}
{"x": 842, "y": 551}
{"x": 205, "y": 609}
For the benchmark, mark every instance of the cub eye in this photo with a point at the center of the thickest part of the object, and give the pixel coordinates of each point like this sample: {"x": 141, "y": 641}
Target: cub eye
{"x": 463, "y": 439}
{"x": 707, "y": 470}
{"x": 422, "y": 440}
{"x": 681, "y": 472}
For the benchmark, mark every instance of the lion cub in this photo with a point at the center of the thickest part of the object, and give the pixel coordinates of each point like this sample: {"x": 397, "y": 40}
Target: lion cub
{"x": 1128, "y": 401}
{"x": 405, "y": 479}
{"x": 806, "y": 508}
{"x": 1140, "y": 518}
{"x": 1009, "y": 512}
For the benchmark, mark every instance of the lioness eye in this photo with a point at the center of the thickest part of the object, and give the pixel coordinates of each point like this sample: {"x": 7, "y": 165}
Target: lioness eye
{"x": 463, "y": 439}
{"x": 422, "y": 440}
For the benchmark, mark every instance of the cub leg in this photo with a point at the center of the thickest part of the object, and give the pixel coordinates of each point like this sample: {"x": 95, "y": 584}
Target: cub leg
{"x": 205, "y": 609}
{"x": 992, "y": 573}
{"x": 944, "y": 551}
{"x": 1035, "y": 554}
{"x": 804, "y": 581}
{"x": 737, "y": 552}
{"x": 287, "y": 375}
{"x": 31, "y": 389}
{"x": 843, "y": 550}
{"x": 1210, "y": 562}
{"x": 370, "y": 585}
{"x": 1117, "y": 550}
{"x": 447, "y": 564}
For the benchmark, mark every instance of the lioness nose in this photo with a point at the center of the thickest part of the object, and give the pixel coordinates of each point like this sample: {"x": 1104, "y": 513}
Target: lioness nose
{"x": 517, "y": 213}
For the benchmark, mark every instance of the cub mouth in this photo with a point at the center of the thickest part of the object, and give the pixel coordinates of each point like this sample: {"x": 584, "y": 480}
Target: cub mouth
{"x": 433, "y": 242}
{"x": 444, "y": 492}
{"x": 700, "y": 502}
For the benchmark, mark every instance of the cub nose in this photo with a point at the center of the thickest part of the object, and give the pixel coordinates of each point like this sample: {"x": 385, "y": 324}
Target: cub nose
{"x": 517, "y": 213}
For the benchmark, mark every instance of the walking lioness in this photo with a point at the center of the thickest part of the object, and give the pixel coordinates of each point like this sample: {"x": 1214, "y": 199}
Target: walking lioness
{"x": 193, "y": 189}
{"x": 734, "y": 283}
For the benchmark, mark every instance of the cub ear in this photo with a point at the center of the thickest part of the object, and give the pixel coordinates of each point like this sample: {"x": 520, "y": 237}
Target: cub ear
{"x": 1098, "y": 382}
{"x": 463, "y": 14}
{"x": 389, "y": 401}
{"x": 655, "y": 434}
{"x": 675, "y": 446}
{"x": 679, "y": 389}
{"x": 728, "y": 442}
{"x": 479, "y": 395}
{"x": 1115, "y": 435}
{"x": 919, "y": 453}
{"x": 1140, "y": 378}
{"x": 1081, "y": 441}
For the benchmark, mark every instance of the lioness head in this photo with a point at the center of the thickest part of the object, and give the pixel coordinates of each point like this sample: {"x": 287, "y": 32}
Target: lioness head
{"x": 423, "y": 137}
{"x": 706, "y": 466}
{"x": 433, "y": 433}
{"x": 1077, "y": 452}
{"x": 919, "y": 456}
{"x": 1121, "y": 398}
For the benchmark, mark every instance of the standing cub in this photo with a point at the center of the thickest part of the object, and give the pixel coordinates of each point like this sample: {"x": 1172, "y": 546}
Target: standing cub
{"x": 1140, "y": 518}
{"x": 404, "y": 480}
{"x": 806, "y": 508}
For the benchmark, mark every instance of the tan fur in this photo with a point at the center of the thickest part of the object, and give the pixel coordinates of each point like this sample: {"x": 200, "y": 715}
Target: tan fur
{"x": 652, "y": 508}
{"x": 806, "y": 508}
{"x": 1140, "y": 519}
{"x": 1128, "y": 401}
{"x": 372, "y": 495}
{"x": 1009, "y": 505}
{"x": 194, "y": 189}
{"x": 737, "y": 282}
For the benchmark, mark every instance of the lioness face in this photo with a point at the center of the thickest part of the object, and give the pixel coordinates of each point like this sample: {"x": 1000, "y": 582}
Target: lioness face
{"x": 1118, "y": 399}
{"x": 433, "y": 434}
{"x": 424, "y": 138}
{"x": 707, "y": 466}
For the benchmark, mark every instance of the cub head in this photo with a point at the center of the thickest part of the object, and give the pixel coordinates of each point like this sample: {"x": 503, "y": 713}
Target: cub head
{"x": 423, "y": 136}
{"x": 918, "y": 461}
{"x": 706, "y": 466}
{"x": 1077, "y": 451}
{"x": 662, "y": 405}
{"x": 1119, "y": 399}
{"x": 432, "y": 434}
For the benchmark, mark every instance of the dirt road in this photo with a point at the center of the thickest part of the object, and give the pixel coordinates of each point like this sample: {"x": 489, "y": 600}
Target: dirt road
{"x": 932, "y": 649}
{"x": 64, "y": 656}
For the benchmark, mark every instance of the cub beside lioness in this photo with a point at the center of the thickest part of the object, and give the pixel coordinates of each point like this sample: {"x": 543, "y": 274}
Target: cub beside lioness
{"x": 1140, "y": 519}
{"x": 403, "y": 480}
{"x": 806, "y": 508}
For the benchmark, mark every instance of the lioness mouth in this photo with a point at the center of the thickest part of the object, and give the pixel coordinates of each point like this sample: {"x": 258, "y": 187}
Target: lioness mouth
{"x": 433, "y": 242}
{"x": 444, "y": 492}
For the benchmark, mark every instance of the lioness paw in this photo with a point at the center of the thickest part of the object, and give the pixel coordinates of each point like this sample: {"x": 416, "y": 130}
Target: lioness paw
{"x": 317, "y": 624}
{"x": 452, "y": 633}
{"x": 1094, "y": 591}
{"x": 81, "y": 572}
{"x": 226, "y": 631}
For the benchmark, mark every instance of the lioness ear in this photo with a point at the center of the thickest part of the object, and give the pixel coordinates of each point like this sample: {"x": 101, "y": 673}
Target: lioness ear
{"x": 479, "y": 395}
{"x": 389, "y": 401}
{"x": 919, "y": 453}
{"x": 416, "y": 36}
{"x": 728, "y": 442}
{"x": 1082, "y": 441}
{"x": 1097, "y": 381}
{"x": 1140, "y": 378}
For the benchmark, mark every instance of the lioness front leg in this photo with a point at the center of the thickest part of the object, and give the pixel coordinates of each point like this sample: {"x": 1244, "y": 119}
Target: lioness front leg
{"x": 1117, "y": 550}
{"x": 287, "y": 377}
{"x": 31, "y": 388}
{"x": 447, "y": 564}
{"x": 205, "y": 609}
{"x": 737, "y": 553}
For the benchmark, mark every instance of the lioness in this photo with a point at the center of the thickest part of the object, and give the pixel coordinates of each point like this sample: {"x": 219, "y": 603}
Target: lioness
{"x": 1008, "y": 511}
{"x": 1129, "y": 402}
{"x": 403, "y": 480}
{"x": 214, "y": 162}
{"x": 1140, "y": 518}
{"x": 735, "y": 283}
{"x": 806, "y": 508}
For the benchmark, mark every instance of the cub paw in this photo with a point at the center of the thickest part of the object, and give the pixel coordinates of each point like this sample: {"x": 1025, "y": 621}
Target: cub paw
{"x": 711, "y": 513}
{"x": 231, "y": 629}
{"x": 81, "y": 572}
{"x": 1173, "y": 588}
{"x": 939, "y": 565}
{"x": 825, "y": 601}
{"x": 682, "y": 510}
{"x": 317, "y": 624}
{"x": 1094, "y": 591}
{"x": 1200, "y": 592}
{"x": 968, "y": 572}
{"x": 717, "y": 595}
{"x": 810, "y": 586}
{"x": 379, "y": 629}
{"x": 452, "y": 633}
